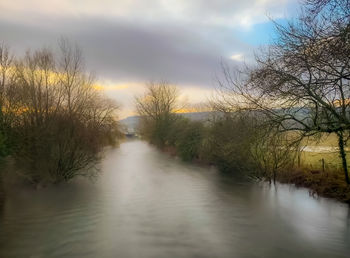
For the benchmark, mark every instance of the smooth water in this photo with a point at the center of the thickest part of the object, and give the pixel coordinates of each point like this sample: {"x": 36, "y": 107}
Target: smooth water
{"x": 147, "y": 204}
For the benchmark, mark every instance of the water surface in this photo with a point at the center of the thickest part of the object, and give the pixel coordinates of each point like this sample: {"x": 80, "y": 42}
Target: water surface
{"x": 147, "y": 204}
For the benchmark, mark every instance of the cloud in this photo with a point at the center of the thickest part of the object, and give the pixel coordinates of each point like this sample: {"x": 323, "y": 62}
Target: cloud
{"x": 129, "y": 41}
{"x": 223, "y": 12}
{"x": 182, "y": 41}
{"x": 237, "y": 57}
{"x": 125, "y": 51}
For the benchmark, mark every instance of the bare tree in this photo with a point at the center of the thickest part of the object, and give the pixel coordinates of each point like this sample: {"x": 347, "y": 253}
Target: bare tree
{"x": 6, "y": 85}
{"x": 272, "y": 152}
{"x": 157, "y": 107}
{"x": 340, "y": 9}
{"x": 5, "y": 66}
{"x": 60, "y": 122}
{"x": 74, "y": 81}
{"x": 161, "y": 98}
{"x": 37, "y": 84}
{"x": 301, "y": 83}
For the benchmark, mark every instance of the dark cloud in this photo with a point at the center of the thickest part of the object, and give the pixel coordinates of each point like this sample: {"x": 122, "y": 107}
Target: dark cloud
{"x": 127, "y": 42}
{"x": 129, "y": 51}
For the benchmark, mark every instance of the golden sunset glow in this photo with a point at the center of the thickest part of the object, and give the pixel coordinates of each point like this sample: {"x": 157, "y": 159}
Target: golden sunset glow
{"x": 103, "y": 87}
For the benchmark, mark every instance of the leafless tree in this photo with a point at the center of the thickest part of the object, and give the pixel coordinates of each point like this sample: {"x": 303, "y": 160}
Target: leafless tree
{"x": 160, "y": 98}
{"x": 7, "y": 87}
{"x": 5, "y": 66}
{"x": 60, "y": 123}
{"x": 301, "y": 83}
{"x": 340, "y": 9}
{"x": 272, "y": 152}
{"x": 157, "y": 107}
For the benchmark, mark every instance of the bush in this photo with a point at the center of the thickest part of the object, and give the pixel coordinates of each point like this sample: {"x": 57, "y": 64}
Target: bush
{"x": 57, "y": 122}
{"x": 3, "y": 146}
{"x": 228, "y": 144}
{"x": 190, "y": 139}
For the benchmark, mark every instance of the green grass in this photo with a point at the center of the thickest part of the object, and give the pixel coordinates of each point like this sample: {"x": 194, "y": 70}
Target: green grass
{"x": 313, "y": 160}
{"x": 328, "y": 181}
{"x": 325, "y": 140}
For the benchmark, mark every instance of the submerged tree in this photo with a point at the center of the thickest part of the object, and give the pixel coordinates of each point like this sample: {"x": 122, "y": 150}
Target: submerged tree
{"x": 58, "y": 122}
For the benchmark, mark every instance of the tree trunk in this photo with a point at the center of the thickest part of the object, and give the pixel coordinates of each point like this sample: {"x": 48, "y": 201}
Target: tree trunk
{"x": 343, "y": 156}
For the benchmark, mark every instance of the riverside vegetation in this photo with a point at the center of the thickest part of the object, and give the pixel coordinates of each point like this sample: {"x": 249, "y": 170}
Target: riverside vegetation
{"x": 53, "y": 123}
{"x": 241, "y": 144}
{"x": 298, "y": 89}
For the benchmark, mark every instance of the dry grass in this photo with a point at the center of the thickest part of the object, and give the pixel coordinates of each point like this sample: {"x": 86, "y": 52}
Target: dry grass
{"x": 328, "y": 184}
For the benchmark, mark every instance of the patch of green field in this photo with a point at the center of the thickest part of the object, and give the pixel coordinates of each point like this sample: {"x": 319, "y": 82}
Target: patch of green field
{"x": 320, "y": 169}
{"x": 330, "y": 140}
{"x": 313, "y": 160}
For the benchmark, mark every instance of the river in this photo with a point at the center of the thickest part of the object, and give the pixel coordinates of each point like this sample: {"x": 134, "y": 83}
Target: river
{"x": 148, "y": 204}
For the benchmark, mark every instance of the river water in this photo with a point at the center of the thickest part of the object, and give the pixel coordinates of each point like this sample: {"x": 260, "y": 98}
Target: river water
{"x": 147, "y": 204}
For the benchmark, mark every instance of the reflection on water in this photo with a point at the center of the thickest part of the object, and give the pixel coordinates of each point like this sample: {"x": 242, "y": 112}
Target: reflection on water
{"x": 146, "y": 204}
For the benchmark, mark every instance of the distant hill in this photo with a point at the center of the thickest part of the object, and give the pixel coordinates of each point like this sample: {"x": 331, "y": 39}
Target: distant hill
{"x": 130, "y": 123}
{"x": 197, "y": 116}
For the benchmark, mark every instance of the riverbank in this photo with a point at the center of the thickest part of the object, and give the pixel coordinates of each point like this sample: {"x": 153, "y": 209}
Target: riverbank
{"x": 148, "y": 204}
{"x": 329, "y": 184}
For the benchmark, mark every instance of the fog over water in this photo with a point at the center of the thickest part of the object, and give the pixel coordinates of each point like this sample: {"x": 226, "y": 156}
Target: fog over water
{"x": 148, "y": 204}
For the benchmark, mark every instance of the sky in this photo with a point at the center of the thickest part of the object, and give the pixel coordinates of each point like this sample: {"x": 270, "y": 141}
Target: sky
{"x": 127, "y": 43}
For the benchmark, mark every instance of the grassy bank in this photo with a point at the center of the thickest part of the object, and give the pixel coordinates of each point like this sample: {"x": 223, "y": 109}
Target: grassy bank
{"x": 329, "y": 184}
{"x": 321, "y": 172}
{"x": 319, "y": 169}
{"x": 242, "y": 144}
{"x": 322, "y": 178}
